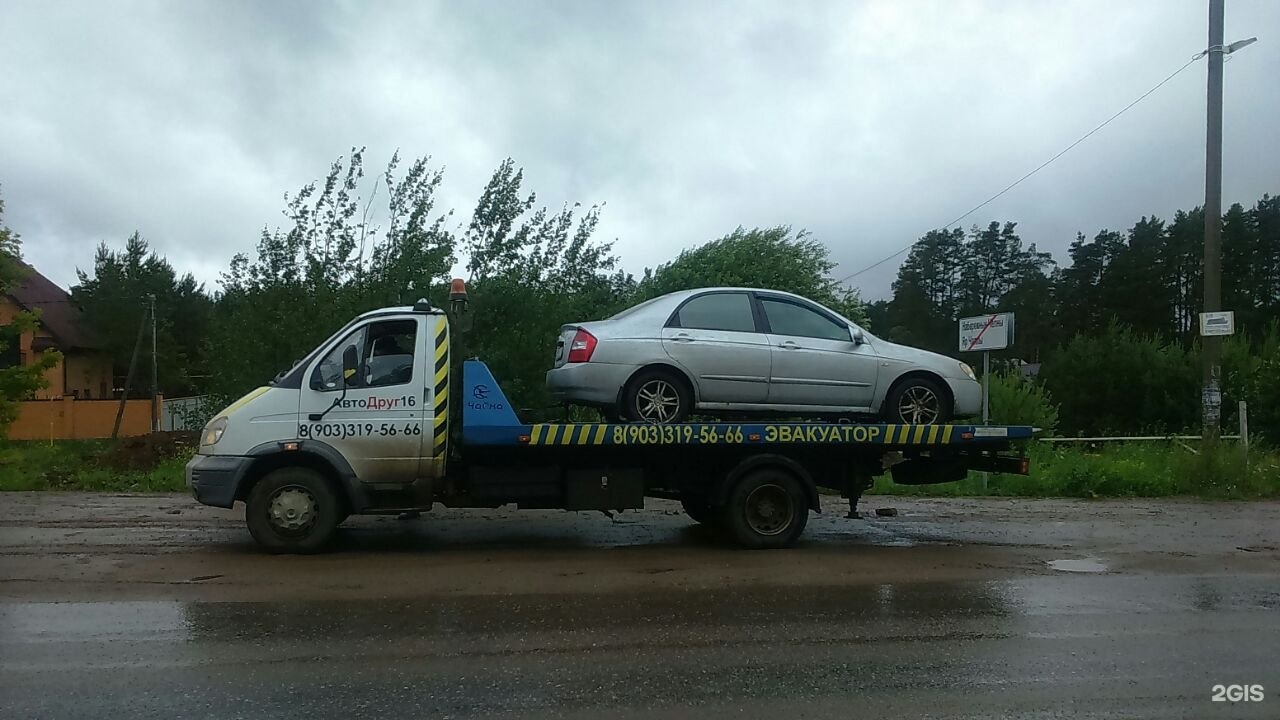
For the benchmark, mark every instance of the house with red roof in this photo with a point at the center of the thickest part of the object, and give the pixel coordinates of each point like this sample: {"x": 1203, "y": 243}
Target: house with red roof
{"x": 85, "y": 371}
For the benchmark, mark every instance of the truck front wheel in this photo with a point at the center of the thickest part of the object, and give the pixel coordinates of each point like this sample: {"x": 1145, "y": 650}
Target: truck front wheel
{"x": 293, "y": 510}
{"x": 767, "y": 508}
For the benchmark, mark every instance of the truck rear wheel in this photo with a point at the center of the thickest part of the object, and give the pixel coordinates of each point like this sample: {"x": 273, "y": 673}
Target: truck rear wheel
{"x": 767, "y": 508}
{"x": 293, "y": 510}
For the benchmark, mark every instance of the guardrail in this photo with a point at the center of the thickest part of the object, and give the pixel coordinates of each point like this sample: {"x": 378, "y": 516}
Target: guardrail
{"x": 1133, "y": 437}
{"x": 1243, "y": 436}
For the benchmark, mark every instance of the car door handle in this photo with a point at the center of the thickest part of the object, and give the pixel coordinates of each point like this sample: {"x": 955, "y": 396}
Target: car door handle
{"x": 789, "y": 345}
{"x": 682, "y": 337}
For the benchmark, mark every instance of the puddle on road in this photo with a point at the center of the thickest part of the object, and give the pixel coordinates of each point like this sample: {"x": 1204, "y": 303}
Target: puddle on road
{"x": 1086, "y": 565}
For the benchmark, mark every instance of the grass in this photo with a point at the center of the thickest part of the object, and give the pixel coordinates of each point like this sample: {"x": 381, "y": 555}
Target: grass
{"x": 1155, "y": 469}
{"x": 96, "y": 465}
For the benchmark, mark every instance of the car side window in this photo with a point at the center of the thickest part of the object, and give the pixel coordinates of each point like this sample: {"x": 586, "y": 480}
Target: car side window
{"x": 787, "y": 318}
{"x": 717, "y": 311}
{"x": 384, "y": 355}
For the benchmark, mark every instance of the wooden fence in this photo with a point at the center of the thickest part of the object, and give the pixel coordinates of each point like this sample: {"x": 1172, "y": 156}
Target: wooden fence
{"x": 67, "y": 418}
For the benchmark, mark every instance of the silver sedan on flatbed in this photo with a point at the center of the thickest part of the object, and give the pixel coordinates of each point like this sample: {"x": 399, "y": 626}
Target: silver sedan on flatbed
{"x": 744, "y": 351}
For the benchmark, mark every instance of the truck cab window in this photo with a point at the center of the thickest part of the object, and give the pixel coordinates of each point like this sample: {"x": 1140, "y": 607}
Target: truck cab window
{"x": 384, "y": 351}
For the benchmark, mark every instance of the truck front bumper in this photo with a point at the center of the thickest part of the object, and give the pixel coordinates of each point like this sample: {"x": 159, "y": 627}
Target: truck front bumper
{"x": 214, "y": 479}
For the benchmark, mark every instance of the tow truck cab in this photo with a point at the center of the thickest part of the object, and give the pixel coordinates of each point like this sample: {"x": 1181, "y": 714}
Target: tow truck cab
{"x": 380, "y": 418}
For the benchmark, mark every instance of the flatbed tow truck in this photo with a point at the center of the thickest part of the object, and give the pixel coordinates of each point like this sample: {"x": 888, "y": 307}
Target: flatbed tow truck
{"x": 381, "y": 419}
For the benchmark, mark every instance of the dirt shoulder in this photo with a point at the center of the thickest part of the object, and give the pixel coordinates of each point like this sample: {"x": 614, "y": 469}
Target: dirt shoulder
{"x": 99, "y": 547}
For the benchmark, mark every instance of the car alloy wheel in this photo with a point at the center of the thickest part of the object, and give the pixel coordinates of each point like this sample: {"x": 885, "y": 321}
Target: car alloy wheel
{"x": 657, "y": 401}
{"x": 919, "y": 405}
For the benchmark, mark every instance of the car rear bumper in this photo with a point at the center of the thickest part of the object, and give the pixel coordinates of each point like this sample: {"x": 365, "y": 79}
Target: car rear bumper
{"x": 214, "y": 479}
{"x": 968, "y": 397}
{"x": 590, "y": 383}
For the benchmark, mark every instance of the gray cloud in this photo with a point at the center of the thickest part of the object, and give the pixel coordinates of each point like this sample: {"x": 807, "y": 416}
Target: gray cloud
{"x": 867, "y": 123}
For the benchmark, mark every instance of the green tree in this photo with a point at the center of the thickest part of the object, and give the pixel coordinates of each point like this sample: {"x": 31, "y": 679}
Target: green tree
{"x": 1182, "y": 263}
{"x": 770, "y": 258}
{"x": 995, "y": 263}
{"x": 531, "y": 271}
{"x": 17, "y": 380}
{"x": 1266, "y": 225}
{"x": 950, "y": 274}
{"x": 327, "y": 264}
{"x": 1079, "y": 283}
{"x": 1136, "y": 286}
{"x": 113, "y": 297}
{"x": 1251, "y": 264}
{"x": 927, "y": 297}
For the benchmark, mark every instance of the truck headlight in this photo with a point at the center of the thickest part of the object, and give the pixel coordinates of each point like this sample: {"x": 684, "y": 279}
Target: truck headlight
{"x": 968, "y": 371}
{"x": 213, "y": 432}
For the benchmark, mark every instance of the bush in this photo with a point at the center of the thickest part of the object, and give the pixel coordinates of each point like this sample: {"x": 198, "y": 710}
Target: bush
{"x": 1256, "y": 380}
{"x": 1018, "y": 401}
{"x": 1123, "y": 382}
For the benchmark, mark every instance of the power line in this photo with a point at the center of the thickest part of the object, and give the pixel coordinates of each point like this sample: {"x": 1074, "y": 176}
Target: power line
{"x": 1042, "y": 166}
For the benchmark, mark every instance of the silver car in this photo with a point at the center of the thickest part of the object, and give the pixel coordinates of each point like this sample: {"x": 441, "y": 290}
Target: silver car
{"x": 722, "y": 351}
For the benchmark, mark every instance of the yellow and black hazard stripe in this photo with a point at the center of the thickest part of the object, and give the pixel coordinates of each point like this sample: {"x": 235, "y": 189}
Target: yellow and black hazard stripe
{"x": 440, "y": 444}
{"x": 917, "y": 435}
{"x": 558, "y": 434}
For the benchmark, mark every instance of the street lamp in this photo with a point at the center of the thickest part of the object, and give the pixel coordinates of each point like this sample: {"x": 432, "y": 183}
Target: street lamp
{"x": 1211, "y": 392}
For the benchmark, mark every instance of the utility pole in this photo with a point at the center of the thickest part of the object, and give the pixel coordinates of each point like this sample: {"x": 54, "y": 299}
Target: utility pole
{"x": 1211, "y": 392}
{"x": 128, "y": 379}
{"x": 155, "y": 380}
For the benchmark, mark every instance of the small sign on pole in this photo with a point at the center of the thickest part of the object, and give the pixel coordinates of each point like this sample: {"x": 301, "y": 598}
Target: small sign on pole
{"x": 986, "y": 332}
{"x": 1214, "y": 324}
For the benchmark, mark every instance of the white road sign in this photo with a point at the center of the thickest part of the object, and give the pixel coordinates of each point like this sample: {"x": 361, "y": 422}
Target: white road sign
{"x": 986, "y": 332}
{"x": 1217, "y": 323}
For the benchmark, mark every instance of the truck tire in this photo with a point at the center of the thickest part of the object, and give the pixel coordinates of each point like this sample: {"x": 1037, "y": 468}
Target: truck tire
{"x": 699, "y": 508}
{"x": 657, "y": 396}
{"x": 293, "y": 510}
{"x": 917, "y": 401}
{"x": 768, "y": 508}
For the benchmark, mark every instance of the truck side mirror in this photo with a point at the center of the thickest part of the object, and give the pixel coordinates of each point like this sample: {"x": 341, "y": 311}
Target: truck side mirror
{"x": 350, "y": 361}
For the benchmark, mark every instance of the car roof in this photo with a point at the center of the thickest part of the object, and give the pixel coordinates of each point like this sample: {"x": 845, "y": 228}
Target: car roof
{"x": 699, "y": 291}
{"x": 664, "y": 305}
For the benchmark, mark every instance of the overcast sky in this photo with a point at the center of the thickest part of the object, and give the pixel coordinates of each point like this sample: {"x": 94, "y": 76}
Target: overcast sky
{"x": 867, "y": 123}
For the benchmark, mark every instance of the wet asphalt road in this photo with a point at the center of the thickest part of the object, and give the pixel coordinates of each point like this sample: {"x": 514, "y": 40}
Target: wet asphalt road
{"x": 149, "y": 607}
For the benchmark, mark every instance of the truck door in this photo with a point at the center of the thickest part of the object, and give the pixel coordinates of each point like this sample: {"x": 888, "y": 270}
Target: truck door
{"x": 378, "y": 425}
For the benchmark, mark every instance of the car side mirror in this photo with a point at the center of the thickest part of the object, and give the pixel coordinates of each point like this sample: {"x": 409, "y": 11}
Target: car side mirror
{"x": 349, "y": 362}
{"x": 858, "y": 337}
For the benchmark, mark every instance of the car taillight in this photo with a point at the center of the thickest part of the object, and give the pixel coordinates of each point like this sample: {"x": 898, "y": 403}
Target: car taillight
{"x": 584, "y": 343}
